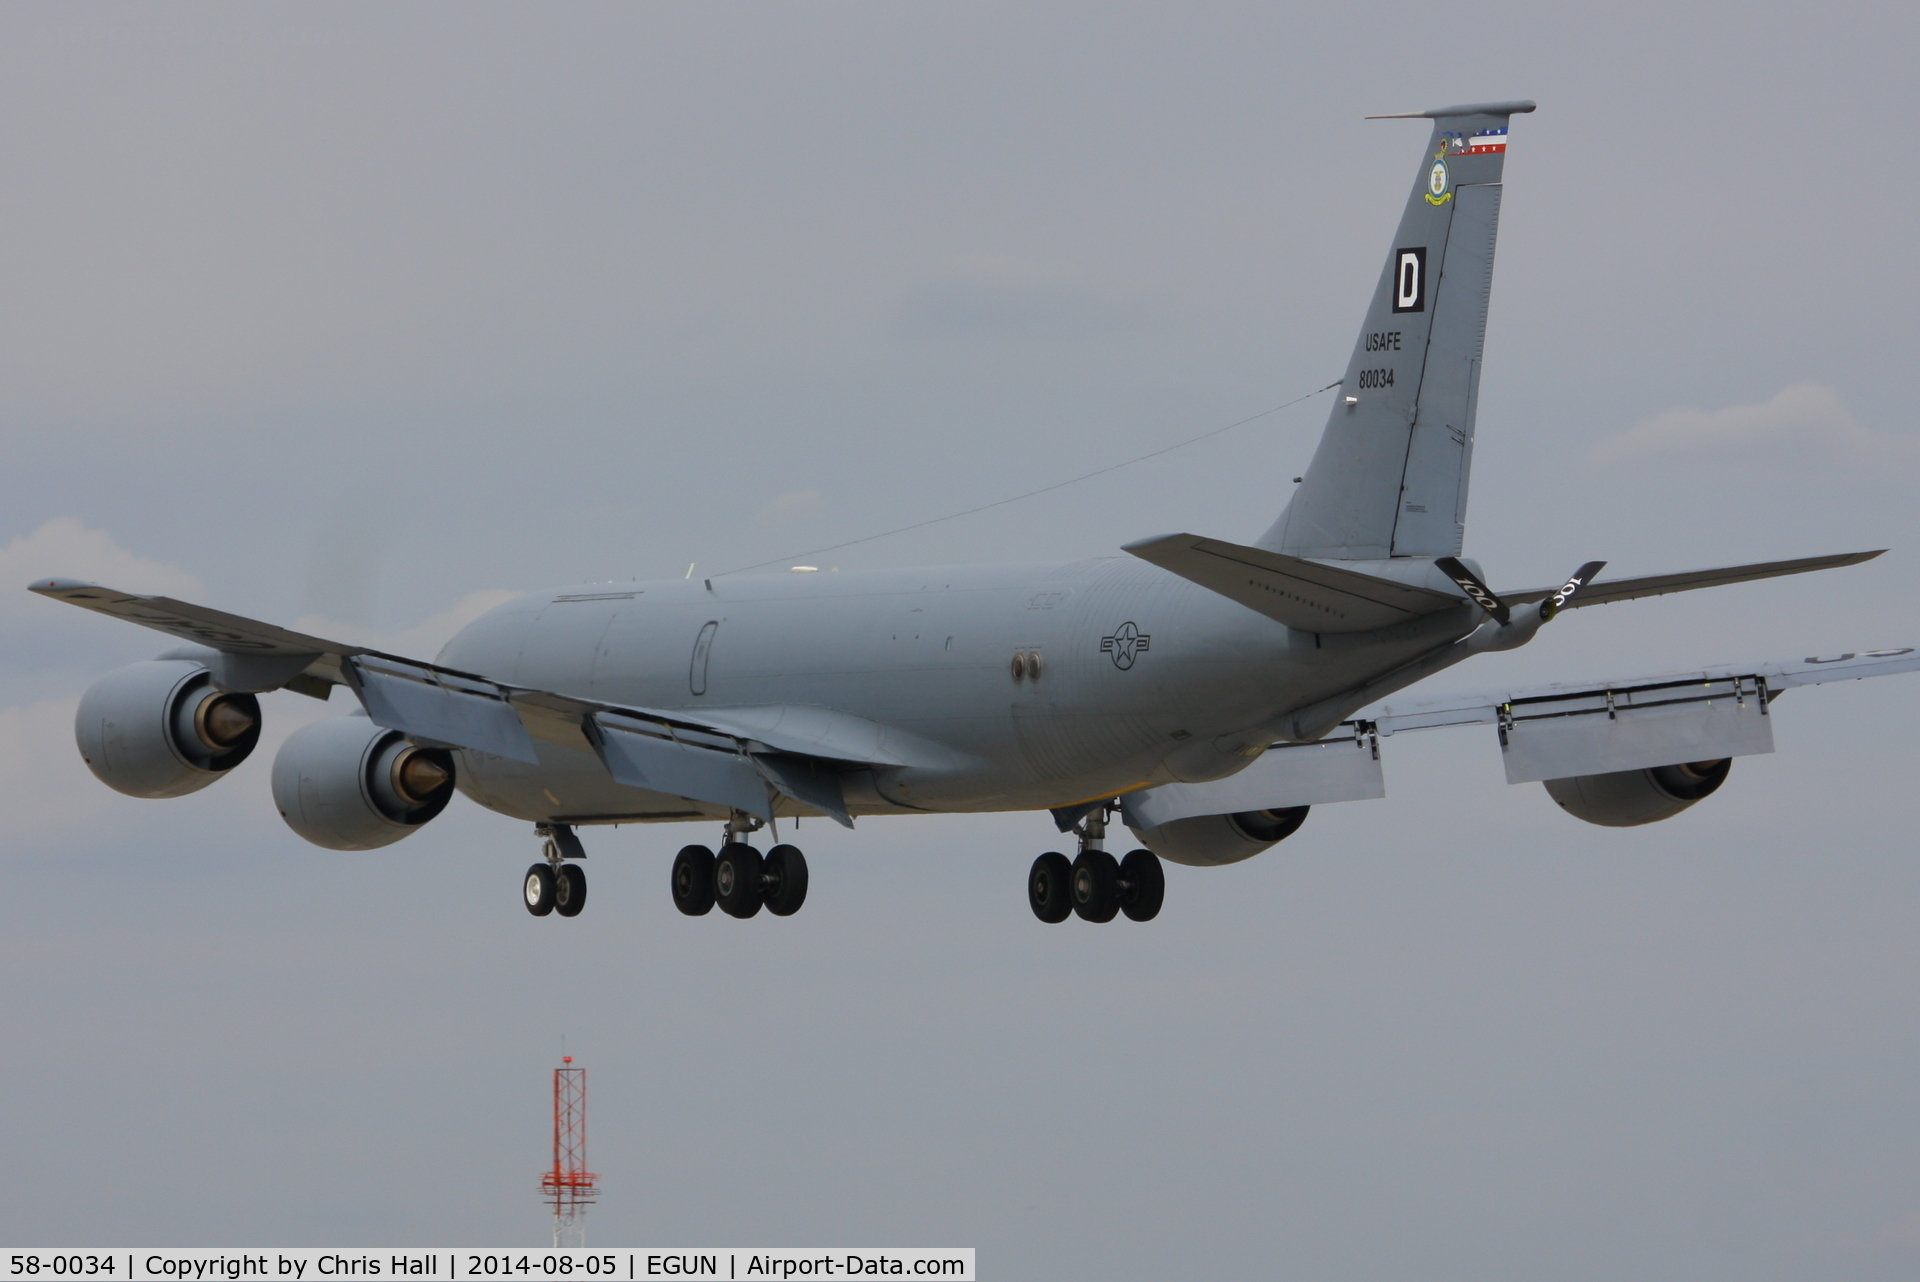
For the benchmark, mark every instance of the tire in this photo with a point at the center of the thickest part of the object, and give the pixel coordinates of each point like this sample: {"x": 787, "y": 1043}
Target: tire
{"x": 539, "y": 890}
{"x": 786, "y": 872}
{"x": 570, "y": 890}
{"x": 1145, "y": 885}
{"x": 1096, "y": 886}
{"x": 693, "y": 881}
{"x": 736, "y": 879}
{"x": 1049, "y": 887}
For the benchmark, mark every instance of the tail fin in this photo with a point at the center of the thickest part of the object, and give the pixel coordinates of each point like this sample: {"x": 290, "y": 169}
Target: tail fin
{"x": 1390, "y": 475}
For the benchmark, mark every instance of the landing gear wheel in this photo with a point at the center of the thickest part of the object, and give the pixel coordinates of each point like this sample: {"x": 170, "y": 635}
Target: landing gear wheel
{"x": 693, "y": 881}
{"x": 1049, "y": 887}
{"x": 784, "y": 872}
{"x": 540, "y": 890}
{"x": 1096, "y": 886}
{"x": 736, "y": 879}
{"x": 570, "y": 890}
{"x": 1143, "y": 886}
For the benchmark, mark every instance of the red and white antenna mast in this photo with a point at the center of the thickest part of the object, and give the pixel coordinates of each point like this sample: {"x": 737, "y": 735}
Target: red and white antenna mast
{"x": 569, "y": 1186}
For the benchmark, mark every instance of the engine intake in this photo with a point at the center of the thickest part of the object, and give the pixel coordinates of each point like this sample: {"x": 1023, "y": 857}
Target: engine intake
{"x": 347, "y": 784}
{"x": 161, "y": 729}
{"x": 1209, "y": 840}
{"x": 1628, "y": 798}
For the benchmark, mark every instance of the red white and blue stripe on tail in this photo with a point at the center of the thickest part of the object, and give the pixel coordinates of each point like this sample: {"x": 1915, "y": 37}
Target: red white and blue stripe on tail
{"x": 1485, "y": 142}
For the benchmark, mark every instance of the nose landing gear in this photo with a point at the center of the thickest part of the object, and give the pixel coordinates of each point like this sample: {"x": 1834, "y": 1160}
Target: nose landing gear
{"x": 557, "y": 886}
{"x": 1095, "y": 886}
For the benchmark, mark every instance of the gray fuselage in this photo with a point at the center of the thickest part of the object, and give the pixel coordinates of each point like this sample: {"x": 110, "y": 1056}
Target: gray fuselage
{"x": 1143, "y": 678}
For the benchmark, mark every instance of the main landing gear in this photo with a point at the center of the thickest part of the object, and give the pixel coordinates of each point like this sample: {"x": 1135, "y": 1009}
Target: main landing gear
{"x": 557, "y": 886}
{"x": 1095, "y": 885}
{"x": 739, "y": 878}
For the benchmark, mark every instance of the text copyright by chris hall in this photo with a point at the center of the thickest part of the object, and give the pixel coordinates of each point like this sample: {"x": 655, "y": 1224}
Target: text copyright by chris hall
{"x": 458, "y": 1264}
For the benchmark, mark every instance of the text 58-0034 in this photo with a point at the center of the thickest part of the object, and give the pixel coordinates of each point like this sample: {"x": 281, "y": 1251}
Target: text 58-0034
{"x": 62, "y": 1266}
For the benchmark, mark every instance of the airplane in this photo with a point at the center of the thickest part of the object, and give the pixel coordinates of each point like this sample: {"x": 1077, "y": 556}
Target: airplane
{"x": 1205, "y": 694}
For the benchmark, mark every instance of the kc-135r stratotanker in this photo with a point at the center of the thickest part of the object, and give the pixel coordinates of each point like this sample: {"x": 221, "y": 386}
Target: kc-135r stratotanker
{"x": 1206, "y": 693}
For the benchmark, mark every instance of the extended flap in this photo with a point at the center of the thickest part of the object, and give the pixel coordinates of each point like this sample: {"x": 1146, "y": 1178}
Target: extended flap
{"x": 428, "y": 704}
{"x": 807, "y": 781}
{"x": 1633, "y": 730}
{"x": 1285, "y": 775}
{"x": 640, "y": 757}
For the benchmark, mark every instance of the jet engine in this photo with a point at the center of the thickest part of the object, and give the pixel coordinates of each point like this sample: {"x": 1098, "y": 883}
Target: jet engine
{"x": 1626, "y": 798}
{"x": 1207, "y": 840}
{"x": 346, "y": 784}
{"x": 161, "y": 729}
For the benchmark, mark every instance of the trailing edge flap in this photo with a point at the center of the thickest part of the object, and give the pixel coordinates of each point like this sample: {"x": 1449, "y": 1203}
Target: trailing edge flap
{"x": 430, "y": 704}
{"x": 644, "y": 754}
{"x": 808, "y": 781}
{"x": 1577, "y": 697}
{"x": 1558, "y": 731}
{"x": 703, "y": 767}
{"x": 1345, "y": 767}
{"x": 1309, "y": 595}
{"x": 1660, "y": 584}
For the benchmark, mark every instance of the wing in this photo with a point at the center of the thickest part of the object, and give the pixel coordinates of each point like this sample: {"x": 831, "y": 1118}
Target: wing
{"x": 1546, "y": 732}
{"x": 730, "y": 760}
{"x": 1660, "y": 584}
{"x": 1310, "y": 595}
{"x": 1559, "y": 731}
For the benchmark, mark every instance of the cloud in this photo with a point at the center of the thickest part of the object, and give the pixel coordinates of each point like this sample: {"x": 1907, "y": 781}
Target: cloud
{"x": 53, "y": 801}
{"x": 421, "y": 641}
{"x": 795, "y": 505}
{"x": 1803, "y": 416}
{"x": 64, "y": 546}
{"x": 42, "y": 778}
{"x": 45, "y": 788}
{"x": 37, "y": 636}
{"x": 47, "y": 646}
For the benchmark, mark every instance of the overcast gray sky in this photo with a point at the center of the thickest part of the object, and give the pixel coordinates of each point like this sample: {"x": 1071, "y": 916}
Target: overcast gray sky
{"x": 364, "y": 315}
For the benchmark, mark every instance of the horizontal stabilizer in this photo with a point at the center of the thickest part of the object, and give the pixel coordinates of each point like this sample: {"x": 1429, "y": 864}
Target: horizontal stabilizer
{"x": 1517, "y": 107}
{"x": 1660, "y": 584}
{"x": 1308, "y": 595}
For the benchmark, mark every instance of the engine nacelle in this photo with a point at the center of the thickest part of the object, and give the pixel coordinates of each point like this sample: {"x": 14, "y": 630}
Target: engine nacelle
{"x": 161, "y": 729}
{"x": 1208, "y": 840}
{"x": 1627, "y": 798}
{"x": 346, "y": 784}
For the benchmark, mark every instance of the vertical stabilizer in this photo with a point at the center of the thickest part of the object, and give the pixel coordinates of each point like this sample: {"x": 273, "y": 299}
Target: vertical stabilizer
{"x": 1390, "y": 475}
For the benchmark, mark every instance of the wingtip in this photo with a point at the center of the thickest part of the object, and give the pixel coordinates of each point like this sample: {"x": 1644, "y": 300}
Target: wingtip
{"x": 1138, "y": 546}
{"x": 50, "y": 587}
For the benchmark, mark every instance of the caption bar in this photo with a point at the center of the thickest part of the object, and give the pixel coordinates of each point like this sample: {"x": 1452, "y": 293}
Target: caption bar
{"x": 446, "y": 1264}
